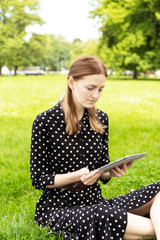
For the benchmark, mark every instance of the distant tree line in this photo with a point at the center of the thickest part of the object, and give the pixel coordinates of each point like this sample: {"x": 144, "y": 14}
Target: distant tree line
{"x": 15, "y": 16}
{"x": 48, "y": 51}
{"x": 130, "y": 37}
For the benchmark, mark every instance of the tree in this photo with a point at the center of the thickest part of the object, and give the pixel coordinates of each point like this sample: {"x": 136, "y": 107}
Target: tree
{"x": 2, "y": 44}
{"x": 80, "y": 48}
{"x": 15, "y": 16}
{"x": 130, "y": 33}
{"x": 56, "y": 54}
{"x": 35, "y": 50}
{"x": 15, "y": 52}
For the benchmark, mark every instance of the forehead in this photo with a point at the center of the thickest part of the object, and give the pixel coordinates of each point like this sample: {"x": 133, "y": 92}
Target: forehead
{"x": 96, "y": 80}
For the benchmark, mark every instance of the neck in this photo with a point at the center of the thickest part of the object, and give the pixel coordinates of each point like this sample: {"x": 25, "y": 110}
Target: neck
{"x": 80, "y": 113}
{"x": 79, "y": 109}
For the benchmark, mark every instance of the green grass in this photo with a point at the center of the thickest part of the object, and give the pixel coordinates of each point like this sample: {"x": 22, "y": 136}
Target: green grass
{"x": 134, "y": 113}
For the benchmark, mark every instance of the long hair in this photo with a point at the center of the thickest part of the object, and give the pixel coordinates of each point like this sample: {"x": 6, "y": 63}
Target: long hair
{"x": 80, "y": 68}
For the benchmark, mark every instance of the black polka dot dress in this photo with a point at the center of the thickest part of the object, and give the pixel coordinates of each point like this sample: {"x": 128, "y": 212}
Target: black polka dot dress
{"x": 77, "y": 215}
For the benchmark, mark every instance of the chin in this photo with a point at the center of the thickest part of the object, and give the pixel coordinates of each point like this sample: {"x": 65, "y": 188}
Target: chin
{"x": 89, "y": 105}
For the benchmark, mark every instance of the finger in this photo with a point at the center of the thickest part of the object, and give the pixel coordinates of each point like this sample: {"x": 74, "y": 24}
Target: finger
{"x": 124, "y": 167}
{"x": 93, "y": 180}
{"x": 91, "y": 175}
{"x": 90, "y": 178}
{"x": 130, "y": 164}
{"x": 114, "y": 173}
{"x": 120, "y": 170}
{"x": 84, "y": 171}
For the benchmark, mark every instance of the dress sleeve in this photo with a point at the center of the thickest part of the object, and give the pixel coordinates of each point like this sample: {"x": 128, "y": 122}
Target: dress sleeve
{"x": 105, "y": 147}
{"x": 41, "y": 173}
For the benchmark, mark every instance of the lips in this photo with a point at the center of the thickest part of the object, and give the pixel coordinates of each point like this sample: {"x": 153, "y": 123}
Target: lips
{"x": 91, "y": 101}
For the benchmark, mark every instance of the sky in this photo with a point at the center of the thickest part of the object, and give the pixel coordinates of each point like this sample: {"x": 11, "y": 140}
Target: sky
{"x": 68, "y": 18}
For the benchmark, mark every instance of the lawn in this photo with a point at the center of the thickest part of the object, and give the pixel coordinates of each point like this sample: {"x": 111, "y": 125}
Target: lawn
{"x": 134, "y": 115}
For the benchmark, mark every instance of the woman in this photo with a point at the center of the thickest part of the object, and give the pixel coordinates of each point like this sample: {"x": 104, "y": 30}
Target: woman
{"x": 70, "y": 141}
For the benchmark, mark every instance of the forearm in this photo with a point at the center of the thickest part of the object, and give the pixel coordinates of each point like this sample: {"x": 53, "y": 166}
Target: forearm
{"x": 65, "y": 179}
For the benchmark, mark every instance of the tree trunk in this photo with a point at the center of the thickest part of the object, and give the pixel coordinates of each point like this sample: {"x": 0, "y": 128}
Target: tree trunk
{"x": 4, "y": 19}
{"x": 15, "y": 70}
{"x": 135, "y": 74}
{"x": 0, "y": 70}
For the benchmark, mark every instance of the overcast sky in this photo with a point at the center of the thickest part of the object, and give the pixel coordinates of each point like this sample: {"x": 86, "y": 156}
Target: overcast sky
{"x": 68, "y": 18}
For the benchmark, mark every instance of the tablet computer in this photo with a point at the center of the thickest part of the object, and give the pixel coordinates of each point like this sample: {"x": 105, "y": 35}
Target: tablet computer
{"x": 127, "y": 159}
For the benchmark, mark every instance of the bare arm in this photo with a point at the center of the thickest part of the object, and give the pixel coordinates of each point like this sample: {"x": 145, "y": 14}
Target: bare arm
{"x": 88, "y": 178}
{"x": 68, "y": 178}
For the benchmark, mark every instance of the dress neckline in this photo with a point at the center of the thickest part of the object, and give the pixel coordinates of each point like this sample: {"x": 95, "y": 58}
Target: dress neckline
{"x": 84, "y": 117}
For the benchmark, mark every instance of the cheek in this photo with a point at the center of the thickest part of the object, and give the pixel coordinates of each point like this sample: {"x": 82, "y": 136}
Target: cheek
{"x": 86, "y": 94}
{"x": 81, "y": 93}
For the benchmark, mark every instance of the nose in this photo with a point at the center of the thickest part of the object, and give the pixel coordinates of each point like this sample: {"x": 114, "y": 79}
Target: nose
{"x": 96, "y": 94}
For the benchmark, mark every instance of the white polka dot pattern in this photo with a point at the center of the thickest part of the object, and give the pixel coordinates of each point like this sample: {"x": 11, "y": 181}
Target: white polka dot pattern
{"x": 86, "y": 214}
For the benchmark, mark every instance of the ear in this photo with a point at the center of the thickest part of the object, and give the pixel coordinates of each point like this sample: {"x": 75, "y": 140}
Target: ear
{"x": 70, "y": 82}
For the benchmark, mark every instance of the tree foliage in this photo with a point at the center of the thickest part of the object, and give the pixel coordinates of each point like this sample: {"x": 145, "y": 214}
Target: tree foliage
{"x": 130, "y": 33}
{"x": 55, "y": 52}
{"x": 80, "y": 48}
{"x": 48, "y": 51}
{"x": 15, "y": 16}
{"x": 58, "y": 53}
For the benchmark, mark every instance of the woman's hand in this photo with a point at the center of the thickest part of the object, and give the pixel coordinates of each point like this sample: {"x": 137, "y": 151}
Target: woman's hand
{"x": 83, "y": 171}
{"x": 119, "y": 172}
{"x": 91, "y": 177}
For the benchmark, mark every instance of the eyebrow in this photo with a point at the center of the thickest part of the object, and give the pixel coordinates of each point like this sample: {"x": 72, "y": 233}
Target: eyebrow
{"x": 95, "y": 85}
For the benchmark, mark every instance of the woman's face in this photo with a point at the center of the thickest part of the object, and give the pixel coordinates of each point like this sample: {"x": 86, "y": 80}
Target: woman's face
{"x": 86, "y": 91}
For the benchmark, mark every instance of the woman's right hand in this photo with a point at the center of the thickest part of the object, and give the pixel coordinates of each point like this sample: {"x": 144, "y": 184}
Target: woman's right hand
{"x": 89, "y": 178}
{"x": 83, "y": 171}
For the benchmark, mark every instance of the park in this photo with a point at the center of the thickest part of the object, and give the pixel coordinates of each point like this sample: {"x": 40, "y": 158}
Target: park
{"x": 133, "y": 109}
{"x": 131, "y": 102}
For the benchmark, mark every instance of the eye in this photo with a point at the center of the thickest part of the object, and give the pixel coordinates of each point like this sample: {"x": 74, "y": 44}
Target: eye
{"x": 100, "y": 90}
{"x": 90, "y": 89}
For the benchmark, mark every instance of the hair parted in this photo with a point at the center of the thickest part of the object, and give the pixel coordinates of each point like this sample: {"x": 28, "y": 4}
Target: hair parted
{"x": 83, "y": 66}
{"x": 86, "y": 65}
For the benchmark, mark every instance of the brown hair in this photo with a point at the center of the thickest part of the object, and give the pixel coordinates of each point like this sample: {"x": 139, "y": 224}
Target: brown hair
{"x": 80, "y": 68}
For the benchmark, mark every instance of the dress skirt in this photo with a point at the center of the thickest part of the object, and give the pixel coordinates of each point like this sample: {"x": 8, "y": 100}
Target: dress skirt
{"x": 104, "y": 220}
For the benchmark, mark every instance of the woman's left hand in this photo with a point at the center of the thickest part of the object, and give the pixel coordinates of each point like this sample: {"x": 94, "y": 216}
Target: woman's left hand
{"x": 119, "y": 172}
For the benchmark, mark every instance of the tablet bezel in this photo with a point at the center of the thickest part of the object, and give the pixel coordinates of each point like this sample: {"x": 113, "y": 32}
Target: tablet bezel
{"x": 119, "y": 162}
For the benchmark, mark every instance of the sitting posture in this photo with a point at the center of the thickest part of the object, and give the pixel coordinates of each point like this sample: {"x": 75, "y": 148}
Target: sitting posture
{"x": 69, "y": 142}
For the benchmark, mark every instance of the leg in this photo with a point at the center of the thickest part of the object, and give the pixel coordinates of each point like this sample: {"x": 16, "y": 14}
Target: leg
{"x": 138, "y": 226}
{"x": 128, "y": 237}
{"x": 152, "y": 207}
{"x": 155, "y": 215}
